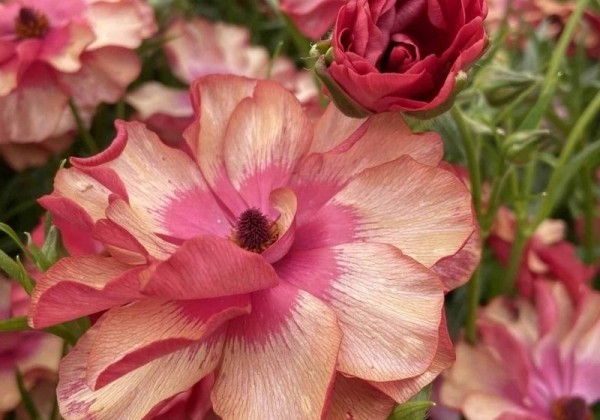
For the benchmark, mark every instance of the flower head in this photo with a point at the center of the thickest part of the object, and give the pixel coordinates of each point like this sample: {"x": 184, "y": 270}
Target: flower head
{"x": 50, "y": 53}
{"x": 540, "y": 360}
{"x": 288, "y": 260}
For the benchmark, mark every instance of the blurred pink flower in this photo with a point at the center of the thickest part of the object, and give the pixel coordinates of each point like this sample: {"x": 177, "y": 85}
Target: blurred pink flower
{"x": 52, "y": 51}
{"x": 198, "y": 47}
{"x": 548, "y": 255}
{"x": 289, "y": 260}
{"x": 533, "y": 361}
{"x": 35, "y": 354}
{"x": 312, "y": 17}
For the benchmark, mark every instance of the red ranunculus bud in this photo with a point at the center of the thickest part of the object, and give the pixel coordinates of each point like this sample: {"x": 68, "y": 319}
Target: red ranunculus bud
{"x": 404, "y": 55}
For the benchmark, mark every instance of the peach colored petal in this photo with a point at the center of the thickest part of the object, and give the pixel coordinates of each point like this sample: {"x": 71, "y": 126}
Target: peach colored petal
{"x": 133, "y": 335}
{"x": 388, "y": 306}
{"x": 154, "y": 98}
{"x": 214, "y": 99}
{"x": 137, "y": 393}
{"x": 401, "y": 391}
{"x": 285, "y": 204}
{"x": 8, "y": 70}
{"x": 89, "y": 283}
{"x": 379, "y": 139}
{"x": 32, "y": 155}
{"x": 209, "y": 267}
{"x": 426, "y": 227}
{"x": 455, "y": 270}
{"x": 80, "y": 190}
{"x": 125, "y": 23}
{"x": 355, "y": 399}
{"x": 104, "y": 76}
{"x": 31, "y": 113}
{"x": 266, "y": 136}
{"x": 279, "y": 360}
{"x": 335, "y": 128}
{"x": 137, "y": 155}
{"x": 63, "y": 47}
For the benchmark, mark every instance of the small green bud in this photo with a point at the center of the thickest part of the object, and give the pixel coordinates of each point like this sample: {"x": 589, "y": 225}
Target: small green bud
{"x": 519, "y": 148}
{"x": 503, "y": 86}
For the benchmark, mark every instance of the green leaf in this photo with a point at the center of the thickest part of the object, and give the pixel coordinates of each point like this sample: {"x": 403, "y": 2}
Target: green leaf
{"x": 9, "y": 266}
{"x": 18, "y": 323}
{"x": 13, "y": 235}
{"x": 411, "y": 410}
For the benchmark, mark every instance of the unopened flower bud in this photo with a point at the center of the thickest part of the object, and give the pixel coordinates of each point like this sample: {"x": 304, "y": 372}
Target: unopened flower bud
{"x": 519, "y": 148}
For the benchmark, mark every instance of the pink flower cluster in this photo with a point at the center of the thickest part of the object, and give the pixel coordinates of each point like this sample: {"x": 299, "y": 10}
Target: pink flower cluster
{"x": 51, "y": 52}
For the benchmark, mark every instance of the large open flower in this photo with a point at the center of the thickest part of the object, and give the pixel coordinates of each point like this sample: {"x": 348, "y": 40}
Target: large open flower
{"x": 293, "y": 262}
{"x": 52, "y": 51}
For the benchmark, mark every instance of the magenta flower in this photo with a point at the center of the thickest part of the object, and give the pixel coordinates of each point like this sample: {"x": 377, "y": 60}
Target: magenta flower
{"x": 292, "y": 262}
{"x": 50, "y": 52}
{"x": 533, "y": 362}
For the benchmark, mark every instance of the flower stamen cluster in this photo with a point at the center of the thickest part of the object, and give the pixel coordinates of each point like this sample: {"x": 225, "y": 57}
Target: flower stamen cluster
{"x": 254, "y": 232}
{"x": 31, "y": 23}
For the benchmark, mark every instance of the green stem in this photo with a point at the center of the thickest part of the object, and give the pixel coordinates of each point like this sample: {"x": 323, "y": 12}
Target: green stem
{"x": 471, "y": 152}
{"x": 589, "y": 216}
{"x": 515, "y": 258}
{"x": 473, "y": 292}
{"x": 553, "y": 74}
{"x": 87, "y": 138}
{"x": 571, "y": 144}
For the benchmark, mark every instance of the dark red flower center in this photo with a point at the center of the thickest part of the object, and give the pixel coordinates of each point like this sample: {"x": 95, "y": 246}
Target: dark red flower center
{"x": 254, "y": 232}
{"x": 31, "y": 23}
{"x": 570, "y": 408}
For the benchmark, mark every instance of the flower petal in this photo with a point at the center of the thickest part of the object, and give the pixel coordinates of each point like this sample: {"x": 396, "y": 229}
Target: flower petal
{"x": 426, "y": 213}
{"x": 280, "y": 359}
{"x": 402, "y": 391}
{"x": 133, "y": 335}
{"x": 88, "y": 283}
{"x": 137, "y": 393}
{"x": 266, "y": 136}
{"x": 388, "y": 306}
{"x": 284, "y": 202}
{"x": 208, "y": 267}
{"x": 355, "y": 399}
{"x": 457, "y": 269}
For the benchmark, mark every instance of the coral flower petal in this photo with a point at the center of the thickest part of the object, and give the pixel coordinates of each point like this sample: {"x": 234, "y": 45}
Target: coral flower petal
{"x": 64, "y": 46}
{"x": 405, "y": 389}
{"x": 355, "y": 399}
{"x": 285, "y": 203}
{"x": 149, "y": 170}
{"x": 280, "y": 359}
{"x": 137, "y": 393}
{"x": 385, "y": 303}
{"x": 427, "y": 215}
{"x": 133, "y": 335}
{"x": 214, "y": 99}
{"x": 266, "y": 136}
{"x": 455, "y": 270}
{"x": 89, "y": 283}
{"x": 39, "y": 104}
{"x": 207, "y": 267}
{"x": 379, "y": 139}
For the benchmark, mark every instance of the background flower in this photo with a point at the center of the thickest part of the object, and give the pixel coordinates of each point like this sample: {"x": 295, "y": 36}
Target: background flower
{"x": 540, "y": 361}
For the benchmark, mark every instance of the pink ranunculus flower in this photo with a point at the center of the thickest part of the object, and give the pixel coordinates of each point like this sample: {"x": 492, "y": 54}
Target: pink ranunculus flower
{"x": 312, "y": 17}
{"x": 407, "y": 56}
{"x": 35, "y": 354}
{"x": 199, "y": 47}
{"x": 294, "y": 262}
{"x": 52, "y": 51}
{"x": 547, "y": 255}
{"x": 533, "y": 361}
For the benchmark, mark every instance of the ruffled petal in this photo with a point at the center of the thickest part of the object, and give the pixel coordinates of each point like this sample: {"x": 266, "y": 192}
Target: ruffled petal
{"x": 137, "y": 393}
{"x": 279, "y": 360}
{"x": 209, "y": 267}
{"x": 133, "y": 335}
{"x": 88, "y": 283}
{"x": 388, "y": 306}
{"x": 355, "y": 399}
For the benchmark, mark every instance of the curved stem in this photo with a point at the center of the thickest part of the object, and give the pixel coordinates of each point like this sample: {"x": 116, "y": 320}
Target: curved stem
{"x": 87, "y": 138}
